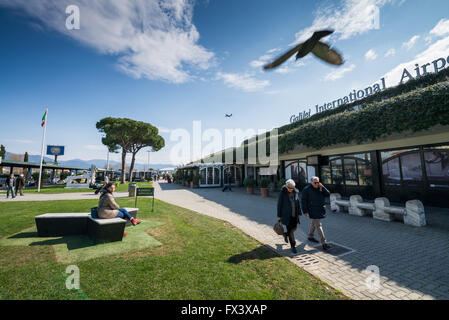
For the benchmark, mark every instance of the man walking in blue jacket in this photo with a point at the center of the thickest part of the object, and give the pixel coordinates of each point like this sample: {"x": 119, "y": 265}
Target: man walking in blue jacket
{"x": 312, "y": 204}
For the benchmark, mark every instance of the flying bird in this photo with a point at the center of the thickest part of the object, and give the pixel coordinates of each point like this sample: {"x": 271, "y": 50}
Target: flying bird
{"x": 228, "y": 115}
{"x": 314, "y": 45}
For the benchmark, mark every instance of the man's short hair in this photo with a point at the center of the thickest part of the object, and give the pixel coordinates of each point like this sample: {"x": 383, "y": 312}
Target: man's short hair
{"x": 290, "y": 183}
{"x": 314, "y": 177}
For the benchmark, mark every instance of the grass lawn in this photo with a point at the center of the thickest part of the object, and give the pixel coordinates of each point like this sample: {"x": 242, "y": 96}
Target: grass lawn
{"x": 174, "y": 254}
{"x": 61, "y": 188}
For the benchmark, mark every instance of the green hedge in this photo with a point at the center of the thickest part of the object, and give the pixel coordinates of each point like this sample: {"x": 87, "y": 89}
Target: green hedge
{"x": 425, "y": 81}
{"x": 416, "y": 110}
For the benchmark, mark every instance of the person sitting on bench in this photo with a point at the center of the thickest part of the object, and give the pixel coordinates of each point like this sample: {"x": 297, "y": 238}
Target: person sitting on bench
{"x": 109, "y": 209}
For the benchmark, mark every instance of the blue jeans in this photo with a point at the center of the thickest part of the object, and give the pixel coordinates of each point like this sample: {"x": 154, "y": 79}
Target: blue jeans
{"x": 12, "y": 192}
{"x": 122, "y": 213}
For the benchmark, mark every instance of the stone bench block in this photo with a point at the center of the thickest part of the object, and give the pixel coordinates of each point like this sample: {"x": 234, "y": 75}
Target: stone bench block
{"x": 353, "y": 209}
{"x": 105, "y": 230}
{"x": 61, "y": 224}
{"x": 333, "y": 198}
{"x": 415, "y": 215}
{"x": 380, "y": 213}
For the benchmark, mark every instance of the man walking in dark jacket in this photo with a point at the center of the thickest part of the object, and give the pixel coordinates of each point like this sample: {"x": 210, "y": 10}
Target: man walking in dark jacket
{"x": 288, "y": 211}
{"x": 312, "y": 204}
{"x": 10, "y": 183}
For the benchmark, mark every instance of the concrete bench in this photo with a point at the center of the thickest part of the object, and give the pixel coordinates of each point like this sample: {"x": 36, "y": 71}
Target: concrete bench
{"x": 337, "y": 204}
{"x": 358, "y": 207}
{"x": 66, "y": 224}
{"x": 413, "y": 213}
{"x": 105, "y": 230}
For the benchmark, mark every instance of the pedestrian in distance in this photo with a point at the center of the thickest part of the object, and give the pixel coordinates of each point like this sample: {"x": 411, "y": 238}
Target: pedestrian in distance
{"x": 289, "y": 211}
{"x": 228, "y": 185}
{"x": 20, "y": 184}
{"x": 10, "y": 184}
{"x": 312, "y": 204}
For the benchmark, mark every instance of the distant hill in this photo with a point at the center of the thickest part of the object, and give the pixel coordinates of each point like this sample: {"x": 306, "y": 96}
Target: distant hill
{"x": 99, "y": 163}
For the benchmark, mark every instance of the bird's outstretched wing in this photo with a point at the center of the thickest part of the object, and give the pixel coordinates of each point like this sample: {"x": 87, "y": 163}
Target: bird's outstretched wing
{"x": 281, "y": 59}
{"x": 324, "y": 52}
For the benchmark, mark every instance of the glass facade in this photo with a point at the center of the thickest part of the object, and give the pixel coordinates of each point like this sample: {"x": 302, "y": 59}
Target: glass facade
{"x": 346, "y": 173}
{"x": 297, "y": 171}
{"x": 437, "y": 168}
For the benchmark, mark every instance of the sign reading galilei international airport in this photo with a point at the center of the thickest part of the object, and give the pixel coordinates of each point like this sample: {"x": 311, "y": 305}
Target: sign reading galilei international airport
{"x": 437, "y": 65}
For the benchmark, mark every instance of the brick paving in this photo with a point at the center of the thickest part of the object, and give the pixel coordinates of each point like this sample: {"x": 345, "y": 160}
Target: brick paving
{"x": 413, "y": 262}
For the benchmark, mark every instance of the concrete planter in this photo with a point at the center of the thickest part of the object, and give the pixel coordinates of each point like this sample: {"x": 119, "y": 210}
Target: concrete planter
{"x": 264, "y": 192}
{"x": 250, "y": 190}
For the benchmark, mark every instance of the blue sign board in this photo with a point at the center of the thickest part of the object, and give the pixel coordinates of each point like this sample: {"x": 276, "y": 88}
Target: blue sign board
{"x": 55, "y": 150}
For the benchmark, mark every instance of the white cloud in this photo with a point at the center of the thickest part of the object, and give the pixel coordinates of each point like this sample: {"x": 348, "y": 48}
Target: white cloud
{"x": 441, "y": 29}
{"x": 390, "y": 52}
{"x": 339, "y": 73}
{"x": 353, "y": 18}
{"x": 370, "y": 55}
{"x": 244, "y": 82}
{"x": 409, "y": 44}
{"x": 152, "y": 39}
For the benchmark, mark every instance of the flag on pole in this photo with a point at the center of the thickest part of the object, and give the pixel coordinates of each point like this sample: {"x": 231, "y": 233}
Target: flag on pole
{"x": 44, "y": 119}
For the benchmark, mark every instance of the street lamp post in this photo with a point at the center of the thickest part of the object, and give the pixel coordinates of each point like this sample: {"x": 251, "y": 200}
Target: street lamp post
{"x": 149, "y": 161}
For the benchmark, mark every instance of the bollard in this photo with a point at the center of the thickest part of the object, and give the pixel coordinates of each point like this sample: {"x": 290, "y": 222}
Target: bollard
{"x": 415, "y": 215}
{"x": 379, "y": 213}
{"x": 333, "y": 198}
{"x": 353, "y": 209}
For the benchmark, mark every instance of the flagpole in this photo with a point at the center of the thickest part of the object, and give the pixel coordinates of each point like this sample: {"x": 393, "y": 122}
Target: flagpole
{"x": 42, "y": 150}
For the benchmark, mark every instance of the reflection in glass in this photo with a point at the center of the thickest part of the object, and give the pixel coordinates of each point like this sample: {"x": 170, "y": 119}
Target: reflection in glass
{"x": 365, "y": 173}
{"x": 216, "y": 175}
{"x": 437, "y": 168}
{"x": 411, "y": 167}
{"x": 350, "y": 172}
{"x": 389, "y": 154}
{"x": 209, "y": 176}
{"x": 326, "y": 175}
{"x": 238, "y": 175}
{"x": 203, "y": 176}
{"x": 337, "y": 171}
{"x": 391, "y": 172}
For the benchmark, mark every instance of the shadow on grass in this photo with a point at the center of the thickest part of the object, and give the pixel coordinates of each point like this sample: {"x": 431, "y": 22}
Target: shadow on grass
{"x": 259, "y": 253}
{"x": 24, "y": 235}
{"x": 72, "y": 242}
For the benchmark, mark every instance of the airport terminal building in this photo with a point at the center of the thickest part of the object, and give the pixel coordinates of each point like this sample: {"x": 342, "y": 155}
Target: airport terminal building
{"x": 394, "y": 143}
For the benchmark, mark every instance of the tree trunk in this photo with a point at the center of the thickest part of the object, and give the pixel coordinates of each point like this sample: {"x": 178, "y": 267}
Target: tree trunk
{"x": 123, "y": 164}
{"x": 131, "y": 168}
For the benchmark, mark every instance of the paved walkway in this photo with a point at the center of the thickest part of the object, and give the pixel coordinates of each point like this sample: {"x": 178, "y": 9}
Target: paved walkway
{"x": 413, "y": 262}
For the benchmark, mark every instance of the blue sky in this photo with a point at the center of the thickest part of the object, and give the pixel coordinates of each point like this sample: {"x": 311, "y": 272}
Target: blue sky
{"x": 179, "y": 61}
